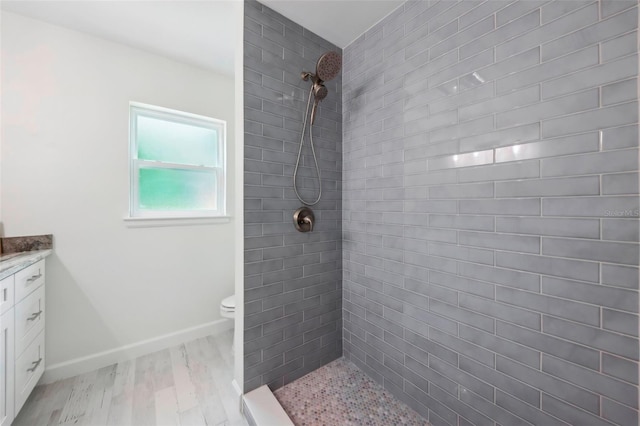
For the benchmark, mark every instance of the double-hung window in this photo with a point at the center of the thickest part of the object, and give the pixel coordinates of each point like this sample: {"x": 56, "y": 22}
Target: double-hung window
{"x": 177, "y": 164}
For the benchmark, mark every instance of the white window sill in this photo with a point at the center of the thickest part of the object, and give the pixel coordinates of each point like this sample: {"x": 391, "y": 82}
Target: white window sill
{"x": 150, "y": 222}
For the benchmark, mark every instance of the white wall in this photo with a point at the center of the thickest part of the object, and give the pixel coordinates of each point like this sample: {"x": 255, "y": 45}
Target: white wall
{"x": 64, "y": 171}
{"x": 238, "y": 373}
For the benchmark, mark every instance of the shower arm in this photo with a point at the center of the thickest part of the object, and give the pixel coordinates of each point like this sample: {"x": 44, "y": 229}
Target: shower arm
{"x": 306, "y": 76}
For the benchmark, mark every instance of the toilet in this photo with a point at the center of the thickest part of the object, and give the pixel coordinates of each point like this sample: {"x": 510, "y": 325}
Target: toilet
{"x": 228, "y": 310}
{"x": 228, "y": 307}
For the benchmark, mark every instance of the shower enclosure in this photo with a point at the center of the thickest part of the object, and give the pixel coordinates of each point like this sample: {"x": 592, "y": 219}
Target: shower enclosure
{"x": 476, "y": 246}
{"x": 293, "y": 292}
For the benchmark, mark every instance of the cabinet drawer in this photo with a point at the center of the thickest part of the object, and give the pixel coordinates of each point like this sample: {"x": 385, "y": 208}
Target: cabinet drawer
{"x": 29, "y": 279}
{"x": 29, "y": 319}
{"x": 29, "y": 368}
{"x": 6, "y": 294}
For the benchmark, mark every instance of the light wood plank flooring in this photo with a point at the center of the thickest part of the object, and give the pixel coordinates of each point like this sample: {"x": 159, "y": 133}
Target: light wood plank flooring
{"x": 189, "y": 385}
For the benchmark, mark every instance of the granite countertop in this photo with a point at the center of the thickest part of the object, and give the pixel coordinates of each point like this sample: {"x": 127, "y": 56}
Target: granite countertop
{"x": 12, "y": 263}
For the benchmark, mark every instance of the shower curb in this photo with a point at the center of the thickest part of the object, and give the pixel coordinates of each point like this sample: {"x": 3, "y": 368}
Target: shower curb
{"x": 261, "y": 408}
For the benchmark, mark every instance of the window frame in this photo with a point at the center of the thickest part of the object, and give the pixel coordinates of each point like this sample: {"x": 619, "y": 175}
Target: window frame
{"x": 137, "y": 109}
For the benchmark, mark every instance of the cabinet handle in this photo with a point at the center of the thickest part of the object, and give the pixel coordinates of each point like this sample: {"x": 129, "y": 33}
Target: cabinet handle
{"x": 35, "y": 365}
{"x": 35, "y": 315}
{"x": 34, "y": 277}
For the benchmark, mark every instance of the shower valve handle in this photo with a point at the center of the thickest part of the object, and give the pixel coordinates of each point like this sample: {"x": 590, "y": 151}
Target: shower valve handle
{"x": 303, "y": 219}
{"x": 307, "y": 220}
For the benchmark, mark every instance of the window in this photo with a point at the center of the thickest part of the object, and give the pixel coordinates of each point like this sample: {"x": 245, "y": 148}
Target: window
{"x": 177, "y": 164}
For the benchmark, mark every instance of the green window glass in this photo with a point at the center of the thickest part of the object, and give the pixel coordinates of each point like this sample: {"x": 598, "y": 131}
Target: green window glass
{"x": 173, "y": 142}
{"x": 175, "y": 189}
{"x": 177, "y": 163}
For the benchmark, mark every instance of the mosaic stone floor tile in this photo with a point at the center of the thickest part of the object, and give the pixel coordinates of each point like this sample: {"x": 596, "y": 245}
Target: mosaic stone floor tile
{"x": 341, "y": 394}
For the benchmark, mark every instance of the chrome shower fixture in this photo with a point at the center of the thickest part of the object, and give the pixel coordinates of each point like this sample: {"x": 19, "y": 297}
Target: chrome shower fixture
{"x": 327, "y": 68}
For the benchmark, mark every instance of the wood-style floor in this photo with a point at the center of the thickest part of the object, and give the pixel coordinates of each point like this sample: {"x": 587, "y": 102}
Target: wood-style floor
{"x": 189, "y": 384}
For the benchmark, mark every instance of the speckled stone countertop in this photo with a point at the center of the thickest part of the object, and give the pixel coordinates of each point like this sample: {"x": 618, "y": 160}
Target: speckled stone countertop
{"x": 12, "y": 263}
{"x": 26, "y": 243}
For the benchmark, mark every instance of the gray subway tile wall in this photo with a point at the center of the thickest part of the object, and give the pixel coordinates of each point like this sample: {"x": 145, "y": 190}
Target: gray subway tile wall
{"x": 293, "y": 281}
{"x": 490, "y": 210}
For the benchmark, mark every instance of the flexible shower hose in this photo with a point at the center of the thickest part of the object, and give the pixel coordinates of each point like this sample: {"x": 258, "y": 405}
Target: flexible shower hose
{"x": 315, "y": 159}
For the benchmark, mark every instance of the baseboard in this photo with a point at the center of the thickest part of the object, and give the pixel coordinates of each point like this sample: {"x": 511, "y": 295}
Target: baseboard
{"x": 238, "y": 391}
{"x": 236, "y": 388}
{"x": 85, "y": 364}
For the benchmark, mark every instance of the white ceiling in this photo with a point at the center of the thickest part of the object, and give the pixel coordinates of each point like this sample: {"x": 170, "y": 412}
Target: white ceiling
{"x": 178, "y": 29}
{"x": 184, "y": 29}
{"x": 338, "y": 21}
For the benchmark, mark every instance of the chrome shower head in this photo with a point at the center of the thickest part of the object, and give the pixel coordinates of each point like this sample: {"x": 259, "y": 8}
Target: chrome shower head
{"x": 328, "y": 66}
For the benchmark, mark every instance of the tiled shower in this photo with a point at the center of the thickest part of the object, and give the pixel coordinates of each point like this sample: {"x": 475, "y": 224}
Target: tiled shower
{"x": 293, "y": 280}
{"x": 476, "y": 252}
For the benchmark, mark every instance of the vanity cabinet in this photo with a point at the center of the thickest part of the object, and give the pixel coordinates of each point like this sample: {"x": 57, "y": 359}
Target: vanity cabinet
{"x": 7, "y": 375}
{"x": 22, "y": 355}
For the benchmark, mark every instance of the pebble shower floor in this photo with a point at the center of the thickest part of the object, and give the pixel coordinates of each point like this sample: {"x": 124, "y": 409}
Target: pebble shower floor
{"x": 341, "y": 394}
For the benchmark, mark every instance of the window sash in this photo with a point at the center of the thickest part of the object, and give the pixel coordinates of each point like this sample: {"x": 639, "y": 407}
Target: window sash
{"x": 218, "y": 171}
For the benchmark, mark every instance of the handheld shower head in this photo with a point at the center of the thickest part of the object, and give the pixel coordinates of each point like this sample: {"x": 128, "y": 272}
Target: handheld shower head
{"x": 319, "y": 93}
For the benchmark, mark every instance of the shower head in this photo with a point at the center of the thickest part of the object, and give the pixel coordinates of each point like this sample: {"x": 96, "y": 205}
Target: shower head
{"x": 328, "y": 66}
{"x": 319, "y": 93}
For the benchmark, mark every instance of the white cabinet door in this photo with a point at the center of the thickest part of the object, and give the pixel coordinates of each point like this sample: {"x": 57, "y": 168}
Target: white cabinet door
{"x": 7, "y": 375}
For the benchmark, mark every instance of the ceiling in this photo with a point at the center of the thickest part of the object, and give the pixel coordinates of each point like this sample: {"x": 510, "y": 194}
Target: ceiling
{"x": 338, "y": 21}
{"x": 178, "y": 29}
{"x": 183, "y": 29}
